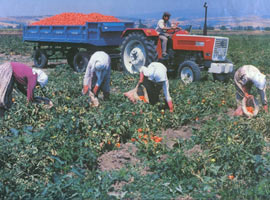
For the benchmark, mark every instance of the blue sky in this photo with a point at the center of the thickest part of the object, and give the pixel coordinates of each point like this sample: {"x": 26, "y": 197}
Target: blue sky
{"x": 133, "y": 8}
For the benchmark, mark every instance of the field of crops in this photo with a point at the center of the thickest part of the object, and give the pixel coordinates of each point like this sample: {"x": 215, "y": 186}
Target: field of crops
{"x": 126, "y": 151}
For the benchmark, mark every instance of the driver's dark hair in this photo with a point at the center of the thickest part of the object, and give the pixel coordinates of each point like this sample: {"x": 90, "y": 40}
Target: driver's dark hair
{"x": 166, "y": 14}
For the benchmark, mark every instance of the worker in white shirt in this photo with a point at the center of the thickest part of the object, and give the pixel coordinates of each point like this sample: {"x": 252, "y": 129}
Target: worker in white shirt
{"x": 244, "y": 78}
{"x": 154, "y": 79}
{"x": 98, "y": 75}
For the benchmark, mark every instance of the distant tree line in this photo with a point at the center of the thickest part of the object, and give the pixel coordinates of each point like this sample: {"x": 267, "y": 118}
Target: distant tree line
{"x": 19, "y": 26}
{"x": 237, "y": 28}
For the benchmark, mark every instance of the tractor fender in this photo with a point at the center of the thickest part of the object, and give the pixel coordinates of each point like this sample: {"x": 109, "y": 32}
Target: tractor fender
{"x": 149, "y": 32}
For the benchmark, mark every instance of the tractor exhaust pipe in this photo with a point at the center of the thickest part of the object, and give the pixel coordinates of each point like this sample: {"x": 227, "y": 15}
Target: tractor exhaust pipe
{"x": 205, "y": 19}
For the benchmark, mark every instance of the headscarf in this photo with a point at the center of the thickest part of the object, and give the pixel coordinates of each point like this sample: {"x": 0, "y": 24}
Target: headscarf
{"x": 156, "y": 72}
{"x": 259, "y": 81}
{"x": 42, "y": 77}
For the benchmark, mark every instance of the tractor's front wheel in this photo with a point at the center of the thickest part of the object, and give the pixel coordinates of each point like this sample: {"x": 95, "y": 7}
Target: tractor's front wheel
{"x": 189, "y": 72}
{"x": 136, "y": 51}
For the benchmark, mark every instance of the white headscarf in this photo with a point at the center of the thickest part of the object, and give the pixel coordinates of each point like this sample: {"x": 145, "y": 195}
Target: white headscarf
{"x": 156, "y": 72}
{"x": 254, "y": 74}
{"x": 259, "y": 81}
{"x": 42, "y": 77}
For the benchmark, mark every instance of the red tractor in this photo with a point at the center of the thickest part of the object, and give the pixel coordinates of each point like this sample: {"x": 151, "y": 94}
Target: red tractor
{"x": 188, "y": 54}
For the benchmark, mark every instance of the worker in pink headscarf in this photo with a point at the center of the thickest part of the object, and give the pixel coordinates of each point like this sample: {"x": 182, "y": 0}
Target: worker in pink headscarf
{"x": 25, "y": 78}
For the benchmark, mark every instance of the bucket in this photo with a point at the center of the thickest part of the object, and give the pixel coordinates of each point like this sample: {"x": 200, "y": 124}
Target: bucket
{"x": 250, "y": 106}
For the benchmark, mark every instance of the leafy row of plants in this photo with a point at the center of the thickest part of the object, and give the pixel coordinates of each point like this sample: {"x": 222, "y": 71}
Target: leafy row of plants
{"x": 52, "y": 153}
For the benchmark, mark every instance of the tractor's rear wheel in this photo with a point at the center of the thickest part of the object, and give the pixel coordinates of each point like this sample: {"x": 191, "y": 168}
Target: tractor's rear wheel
{"x": 189, "y": 72}
{"x": 136, "y": 51}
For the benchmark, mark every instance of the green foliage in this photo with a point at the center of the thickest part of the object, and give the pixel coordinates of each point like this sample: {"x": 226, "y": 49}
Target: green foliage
{"x": 251, "y": 50}
{"x": 13, "y": 45}
{"x": 52, "y": 153}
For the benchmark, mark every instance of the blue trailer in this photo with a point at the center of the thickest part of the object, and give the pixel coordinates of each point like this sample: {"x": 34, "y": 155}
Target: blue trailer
{"x": 75, "y": 43}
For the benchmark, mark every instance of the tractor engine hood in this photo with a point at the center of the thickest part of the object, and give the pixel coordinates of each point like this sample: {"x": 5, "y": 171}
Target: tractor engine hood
{"x": 213, "y": 48}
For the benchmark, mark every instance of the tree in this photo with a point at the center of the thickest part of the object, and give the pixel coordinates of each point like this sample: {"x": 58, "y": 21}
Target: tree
{"x": 223, "y": 28}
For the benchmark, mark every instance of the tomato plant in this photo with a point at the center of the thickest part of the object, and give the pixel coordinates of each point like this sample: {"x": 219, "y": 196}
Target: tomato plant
{"x": 52, "y": 153}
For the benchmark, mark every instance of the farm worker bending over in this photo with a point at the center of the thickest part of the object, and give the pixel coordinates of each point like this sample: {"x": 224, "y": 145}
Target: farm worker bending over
{"x": 162, "y": 27}
{"x": 23, "y": 76}
{"x": 244, "y": 78}
{"x": 97, "y": 76}
{"x": 153, "y": 78}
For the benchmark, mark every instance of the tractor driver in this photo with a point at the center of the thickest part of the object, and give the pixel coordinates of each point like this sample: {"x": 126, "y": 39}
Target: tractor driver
{"x": 162, "y": 27}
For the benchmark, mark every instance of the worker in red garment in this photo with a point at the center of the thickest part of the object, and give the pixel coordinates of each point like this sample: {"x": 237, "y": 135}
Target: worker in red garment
{"x": 26, "y": 80}
{"x": 244, "y": 78}
{"x": 154, "y": 79}
{"x": 97, "y": 77}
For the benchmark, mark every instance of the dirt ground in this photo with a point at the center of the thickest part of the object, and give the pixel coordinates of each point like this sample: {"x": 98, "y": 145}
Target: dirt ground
{"x": 117, "y": 159}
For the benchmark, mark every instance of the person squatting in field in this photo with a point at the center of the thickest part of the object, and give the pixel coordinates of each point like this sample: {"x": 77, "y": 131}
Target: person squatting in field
{"x": 97, "y": 77}
{"x": 153, "y": 78}
{"x": 244, "y": 78}
{"x": 23, "y": 76}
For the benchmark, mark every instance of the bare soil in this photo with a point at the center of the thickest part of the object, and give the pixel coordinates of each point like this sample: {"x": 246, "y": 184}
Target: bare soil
{"x": 118, "y": 159}
{"x": 170, "y": 136}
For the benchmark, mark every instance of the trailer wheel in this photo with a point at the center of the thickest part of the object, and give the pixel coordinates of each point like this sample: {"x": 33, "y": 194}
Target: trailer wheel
{"x": 40, "y": 58}
{"x": 189, "y": 72}
{"x": 136, "y": 51}
{"x": 70, "y": 55}
{"x": 80, "y": 61}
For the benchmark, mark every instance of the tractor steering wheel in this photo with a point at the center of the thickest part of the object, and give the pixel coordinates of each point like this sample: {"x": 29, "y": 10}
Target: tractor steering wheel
{"x": 173, "y": 30}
